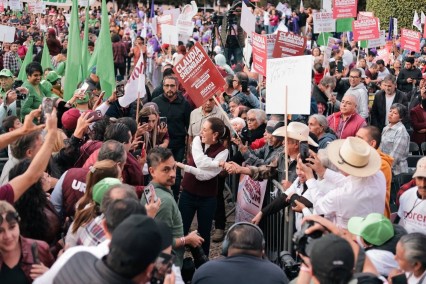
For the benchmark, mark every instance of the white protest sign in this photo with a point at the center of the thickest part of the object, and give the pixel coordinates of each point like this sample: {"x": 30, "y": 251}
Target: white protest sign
{"x": 174, "y": 12}
{"x": 295, "y": 73}
{"x": 395, "y": 26}
{"x": 154, "y": 26}
{"x": 169, "y": 34}
{"x": 15, "y": 5}
{"x": 281, "y": 27}
{"x": 135, "y": 85}
{"x": 184, "y": 23}
{"x": 381, "y": 41}
{"x": 280, "y": 7}
{"x": 324, "y": 22}
{"x": 7, "y": 34}
{"x": 249, "y": 199}
{"x": 326, "y": 5}
{"x": 248, "y": 20}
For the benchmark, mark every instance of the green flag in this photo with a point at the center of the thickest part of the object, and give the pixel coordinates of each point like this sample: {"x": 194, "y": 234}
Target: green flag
{"x": 73, "y": 65}
{"x": 323, "y": 39}
{"x": 364, "y": 43}
{"x": 344, "y": 25}
{"x": 85, "y": 52}
{"x": 102, "y": 56}
{"x": 27, "y": 60}
{"x": 46, "y": 62}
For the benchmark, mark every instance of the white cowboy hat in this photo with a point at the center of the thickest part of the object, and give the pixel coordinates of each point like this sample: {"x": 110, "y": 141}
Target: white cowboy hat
{"x": 354, "y": 156}
{"x": 297, "y": 131}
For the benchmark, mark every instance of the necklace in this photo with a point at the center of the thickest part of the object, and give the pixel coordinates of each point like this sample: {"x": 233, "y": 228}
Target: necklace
{"x": 414, "y": 206}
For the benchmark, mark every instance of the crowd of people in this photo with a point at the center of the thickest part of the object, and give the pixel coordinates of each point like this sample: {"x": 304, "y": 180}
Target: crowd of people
{"x": 97, "y": 191}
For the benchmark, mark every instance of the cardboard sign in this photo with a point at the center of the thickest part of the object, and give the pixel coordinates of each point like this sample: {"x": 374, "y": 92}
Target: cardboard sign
{"x": 326, "y": 6}
{"x": 270, "y": 43}
{"x": 344, "y": 8}
{"x": 364, "y": 15}
{"x": 324, "y": 22}
{"x": 60, "y": 3}
{"x": 198, "y": 75}
{"x": 1, "y": 7}
{"x": 169, "y": 34}
{"x": 175, "y": 14}
{"x": 260, "y": 53}
{"x": 295, "y": 73}
{"x": 365, "y": 29}
{"x": 248, "y": 20}
{"x": 289, "y": 44}
{"x": 163, "y": 20}
{"x": 249, "y": 199}
{"x": 410, "y": 40}
{"x": 7, "y": 34}
{"x": 381, "y": 41}
{"x": 184, "y": 22}
{"x": 15, "y": 5}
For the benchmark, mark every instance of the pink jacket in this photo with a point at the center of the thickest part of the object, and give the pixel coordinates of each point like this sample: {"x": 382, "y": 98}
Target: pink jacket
{"x": 350, "y": 126}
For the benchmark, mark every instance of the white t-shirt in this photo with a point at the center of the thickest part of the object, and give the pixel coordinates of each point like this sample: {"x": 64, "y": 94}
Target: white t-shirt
{"x": 383, "y": 260}
{"x": 382, "y": 75}
{"x": 389, "y": 101}
{"x": 412, "y": 212}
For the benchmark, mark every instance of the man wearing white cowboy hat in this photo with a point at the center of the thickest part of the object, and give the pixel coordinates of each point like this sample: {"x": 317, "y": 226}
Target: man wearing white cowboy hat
{"x": 360, "y": 187}
{"x": 296, "y": 132}
{"x": 412, "y": 208}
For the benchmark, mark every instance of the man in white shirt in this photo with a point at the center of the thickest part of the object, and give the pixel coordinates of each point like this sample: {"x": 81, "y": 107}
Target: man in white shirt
{"x": 382, "y": 71}
{"x": 412, "y": 208}
{"x": 360, "y": 187}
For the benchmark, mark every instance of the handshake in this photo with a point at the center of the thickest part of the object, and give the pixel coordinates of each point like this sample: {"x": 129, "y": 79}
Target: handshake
{"x": 232, "y": 167}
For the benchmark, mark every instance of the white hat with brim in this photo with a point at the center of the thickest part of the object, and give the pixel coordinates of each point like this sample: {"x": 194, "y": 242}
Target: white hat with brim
{"x": 354, "y": 156}
{"x": 297, "y": 131}
{"x": 421, "y": 168}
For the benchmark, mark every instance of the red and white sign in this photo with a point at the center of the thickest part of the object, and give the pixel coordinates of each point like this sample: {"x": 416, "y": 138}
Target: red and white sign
{"x": 260, "y": 53}
{"x": 1, "y": 7}
{"x": 324, "y": 22}
{"x": 198, "y": 75}
{"x": 289, "y": 44}
{"x": 410, "y": 40}
{"x": 135, "y": 86}
{"x": 344, "y": 8}
{"x": 164, "y": 20}
{"x": 365, "y": 29}
{"x": 365, "y": 15}
{"x": 270, "y": 43}
{"x": 249, "y": 199}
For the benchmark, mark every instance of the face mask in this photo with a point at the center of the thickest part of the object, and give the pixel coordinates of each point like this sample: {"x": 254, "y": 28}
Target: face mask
{"x": 359, "y": 241}
{"x": 424, "y": 103}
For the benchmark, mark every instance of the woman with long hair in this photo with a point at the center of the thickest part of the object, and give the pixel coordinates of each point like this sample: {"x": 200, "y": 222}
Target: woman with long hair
{"x": 200, "y": 182}
{"x": 86, "y": 208}
{"x": 39, "y": 219}
{"x": 156, "y": 134}
{"x": 17, "y": 265}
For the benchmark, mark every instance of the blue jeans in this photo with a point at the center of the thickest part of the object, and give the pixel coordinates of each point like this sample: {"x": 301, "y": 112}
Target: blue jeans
{"x": 178, "y": 154}
{"x": 205, "y": 208}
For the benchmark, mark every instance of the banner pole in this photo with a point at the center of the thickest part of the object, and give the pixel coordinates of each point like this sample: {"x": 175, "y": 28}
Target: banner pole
{"x": 285, "y": 137}
{"x": 138, "y": 105}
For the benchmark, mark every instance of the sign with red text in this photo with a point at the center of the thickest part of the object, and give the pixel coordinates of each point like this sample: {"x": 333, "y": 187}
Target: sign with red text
{"x": 344, "y": 8}
{"x": 365, "y": 29}
{"x": 163, "y": 20}
{"x": 324, "y": 22}
{"x": 260, "y": 53}
{"x": 410, "y": 40}
{"x": 289, "y": 44}
{"x": 270, "y": 43}
{"x": 249, "y": 199}
{"x": 135, "y": 86}
{"x": 198, "y": 75}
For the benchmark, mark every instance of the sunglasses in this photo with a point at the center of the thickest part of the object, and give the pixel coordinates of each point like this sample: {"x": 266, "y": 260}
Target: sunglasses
{"x": 10, "y": 217}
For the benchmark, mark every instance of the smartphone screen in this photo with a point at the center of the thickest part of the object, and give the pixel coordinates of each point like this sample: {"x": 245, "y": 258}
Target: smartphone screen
{"x": 163, "y": 266}
{"x": 163, "y": 122}
{"x": 148, "y": 190}
{"x": 84, "y": 87}
{"x": 340, "y": 66}
{"x": 47, "y": 105}
{"x": 143, "y": 119}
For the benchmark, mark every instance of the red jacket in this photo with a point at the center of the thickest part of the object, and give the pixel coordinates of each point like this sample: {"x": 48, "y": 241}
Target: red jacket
{"x": 350, "y": 126}
{"x": 27, "y": 257}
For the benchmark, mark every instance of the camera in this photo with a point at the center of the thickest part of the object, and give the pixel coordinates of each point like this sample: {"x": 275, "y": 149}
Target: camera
{"x": 303, "y": 242}
{"x": 290, "y": 266}
{"x": 217, "y": 19}
{"x": 199, "y": 256}
{"x": 20, "y": 96}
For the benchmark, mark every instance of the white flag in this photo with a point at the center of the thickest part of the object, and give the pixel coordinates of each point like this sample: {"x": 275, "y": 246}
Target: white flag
{"x": 301, "y": 4}
{"x": 422, "y": 18}
{"x": 135, "y": 86}
{"x": 416, "y": 21}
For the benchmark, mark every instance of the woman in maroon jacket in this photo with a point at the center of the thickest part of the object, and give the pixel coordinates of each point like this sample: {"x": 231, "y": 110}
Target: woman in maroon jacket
{"x": 17, "y": 263}
{"x": 200, "y": 182}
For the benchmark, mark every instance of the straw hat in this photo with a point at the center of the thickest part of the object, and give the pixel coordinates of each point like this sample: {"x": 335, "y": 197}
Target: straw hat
{"x": 354, "y": 156}
{"x": 297, "y": 131}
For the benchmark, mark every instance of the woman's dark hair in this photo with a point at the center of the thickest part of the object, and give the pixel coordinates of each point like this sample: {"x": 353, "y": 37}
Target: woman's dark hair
{"x": 115, "y": 38}
{"x": 9, "y": 122}
{"x": 402, "y": 110}
{"x": 217, "y": 125}
{"x": 130, "y": 123}
{"x": 33, "y": 67}
{"x": 118, "y": 132}
{"x": 98, "y": 129}
{"x": 30, "y": 206}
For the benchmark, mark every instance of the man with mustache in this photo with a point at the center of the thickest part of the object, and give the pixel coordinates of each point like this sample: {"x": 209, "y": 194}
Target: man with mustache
{"x": 412, "y": 209}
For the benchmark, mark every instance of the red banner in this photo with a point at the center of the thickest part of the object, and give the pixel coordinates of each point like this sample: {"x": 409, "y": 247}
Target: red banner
{"x": 365, "y": 29}
{"x": 289, "y": 44}
{"x": 198, "y": 75}
{"x": 260, "y": 53}
{"x": 410, "y": 40}
{"x": 344, "y": 8}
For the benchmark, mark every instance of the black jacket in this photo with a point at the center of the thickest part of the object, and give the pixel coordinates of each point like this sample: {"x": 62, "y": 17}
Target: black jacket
{"x": 404, "y": 74}
{"x": 378, "y": 110}
{"x": 117, "y": 111}
{"x": 178, "y": 113}
{"x": 251, "y": 135}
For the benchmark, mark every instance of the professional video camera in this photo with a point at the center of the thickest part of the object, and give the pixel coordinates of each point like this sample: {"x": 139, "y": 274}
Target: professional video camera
{"x": 290, "y": 266}
{"x": 303, "y": 242}
{"x": 217, "y": 19}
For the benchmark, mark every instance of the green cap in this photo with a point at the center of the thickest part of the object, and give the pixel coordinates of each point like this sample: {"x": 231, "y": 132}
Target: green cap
{"x": 52, "y": 77}
{"x": 85, "y": 99}
{"x": 46, "y": 85}
{"x": 102, "y": 186}
{"x": 376, "y": 229}
{"x": 6, "y": 73}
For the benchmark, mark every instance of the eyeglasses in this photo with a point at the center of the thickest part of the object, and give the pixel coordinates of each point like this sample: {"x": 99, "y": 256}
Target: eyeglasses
{"x": 169, "y": 86}
{"x": 10, "y": 217}
{"x": 234, "y": 80}
{"x": 251, "y": 119}
{"x": 354, "y": 77}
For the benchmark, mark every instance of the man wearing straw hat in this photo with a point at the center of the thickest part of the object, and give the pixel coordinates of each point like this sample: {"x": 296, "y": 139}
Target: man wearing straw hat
{"x": 360, "y": 187}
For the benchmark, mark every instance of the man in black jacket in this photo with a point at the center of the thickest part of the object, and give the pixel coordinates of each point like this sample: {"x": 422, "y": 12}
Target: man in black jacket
{"x": 177, "y": 111}
{"x": 383, "y": 100}
{"x": 409, "y": 77}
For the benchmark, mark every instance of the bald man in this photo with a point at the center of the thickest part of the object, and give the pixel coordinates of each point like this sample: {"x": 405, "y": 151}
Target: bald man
{"x": 347, "y": 121}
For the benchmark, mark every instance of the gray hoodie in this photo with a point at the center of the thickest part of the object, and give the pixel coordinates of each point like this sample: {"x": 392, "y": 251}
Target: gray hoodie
{"x": 361, "y": 94}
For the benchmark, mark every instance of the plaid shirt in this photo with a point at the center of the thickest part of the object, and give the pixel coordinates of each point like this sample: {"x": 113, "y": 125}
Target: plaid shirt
{"x": 119, "y": 52}
{"x": 12, "y": 62}
{"x": 396, "y": 143}
{"x": 92, "y": 234}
